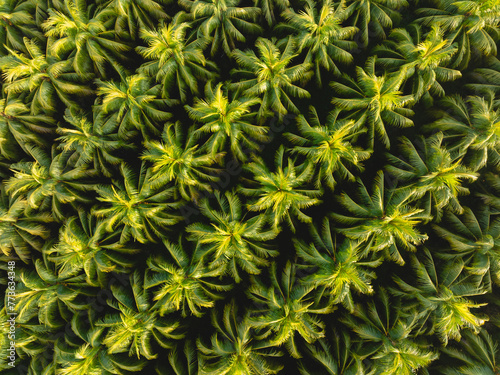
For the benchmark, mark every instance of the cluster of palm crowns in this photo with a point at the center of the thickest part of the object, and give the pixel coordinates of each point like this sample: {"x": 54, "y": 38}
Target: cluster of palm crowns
{"x": 247, "y": 187}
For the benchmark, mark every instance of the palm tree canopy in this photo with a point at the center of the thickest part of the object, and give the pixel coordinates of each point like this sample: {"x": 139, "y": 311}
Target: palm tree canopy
{"x": 223, "y": 21}
{"x": 475, "y": 122}
{"x": 320, "y": 32}
{"x": 384, "y": 220}
{"x": 181, "y": 162}
{"x": 231, "y": 242}
{"x": 424, "y": 60}
{"x": 279, "y": 193}
{"x": 473, "y": 24}
{"x": 271, "y": 77}
{"x": 376, "y": 100}
{"x": 228, "y": 120}
{"x": 432, "y": 171}
{"x": 173, "y": 60}
{"x": 329, "y": 146}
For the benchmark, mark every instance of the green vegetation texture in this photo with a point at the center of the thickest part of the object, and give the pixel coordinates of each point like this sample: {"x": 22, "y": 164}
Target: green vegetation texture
{"x": 250, "y": 187}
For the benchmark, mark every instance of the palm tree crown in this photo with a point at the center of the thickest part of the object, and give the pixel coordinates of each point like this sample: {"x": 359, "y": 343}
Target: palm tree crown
{"x": 279, "y": 193}
{"x": 475, "y": 125}
{"x": 135, "y": 207}
{"x": 320, "y": 32}
{"x": 329, "y": 146}
{"x": 181, "y": 162}
{"x": 228, "y": 120}
{"x": 432, "y": 172}
{"x": 83, "y": 34}
{"x": 341, "y": 268}
{"x": 46, "y": 77}
{"x": 272, "y": 77}
{"x": 223, "y": 21}
{"x": 232, "y": 350}
{"x": 474, "y": 25}
{"x": 383, "y": 220}
{"x": 424, "y": 60}
{"x": 377, "y": 100}
{"x": 230, "y": 242}
{"x": 175, "y": 61}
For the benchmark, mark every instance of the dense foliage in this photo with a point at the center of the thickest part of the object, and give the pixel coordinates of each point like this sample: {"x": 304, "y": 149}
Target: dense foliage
{"x": 250, "y": 187}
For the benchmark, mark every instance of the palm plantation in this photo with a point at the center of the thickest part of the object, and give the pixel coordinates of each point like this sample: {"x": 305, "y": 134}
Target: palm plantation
{"x": 250, "y": 187}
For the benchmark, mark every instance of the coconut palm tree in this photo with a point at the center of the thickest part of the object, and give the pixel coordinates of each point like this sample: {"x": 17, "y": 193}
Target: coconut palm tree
{"x": 42, "y": 293}
{"x": 486, "y": 78}
{"x": 232, "y": 350}
{"x": 376, "y": 100}
{"x": 132, "y": 328}
{"x": 182, "y": 360}
{"x": 133, "y": 103}
{"x": 492, "y": 191}
{"x": 17, "y": 22}
{"x": 223, "y": 21}
{"x": 335, "y": 354}
{"x": 34, "y": 346}
{"x": 287, "y": 309}
{"x": 329, "y": 147}
{"x": 91, "y": 143}
{"x": 19, "y": 128}
{"x": 271, "y": 76}
{"x": 228, "y": 119}
{"x": 182, "y": 284}
{"x": 474, "y": 124}
{"x": 432, "y": 173}
{"x": 384, "y": 220}
{"x": 84, "y": 247}
{"x": 442, "y": 295}
{"x": 473, "y": 25}
{"x": 271, "y": 9}
{"x": 389, "y": 337}
{"x": 133, "y": 208}
{"x": 320, "y": 32}
{"x": 83, "y": 352}
{"x": 474, "y": 237}
{"x": 174, "y": 62}
{"x": 279, "y": 193}
{"x": 340, "y": 269}
{"x": 82, "y": 33}
{"x": 20, "y": 233}
{"x": 131, "y": 16}
{"x": 49, "y": 182}
{"x": 48, "y": 79}
{"x": 373, "y": 16}
{"x": 229, "y": 242}
{"x": 477, "y": 354}
{"x": 181, "y": 162}
{"x": 423, "y": 57}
